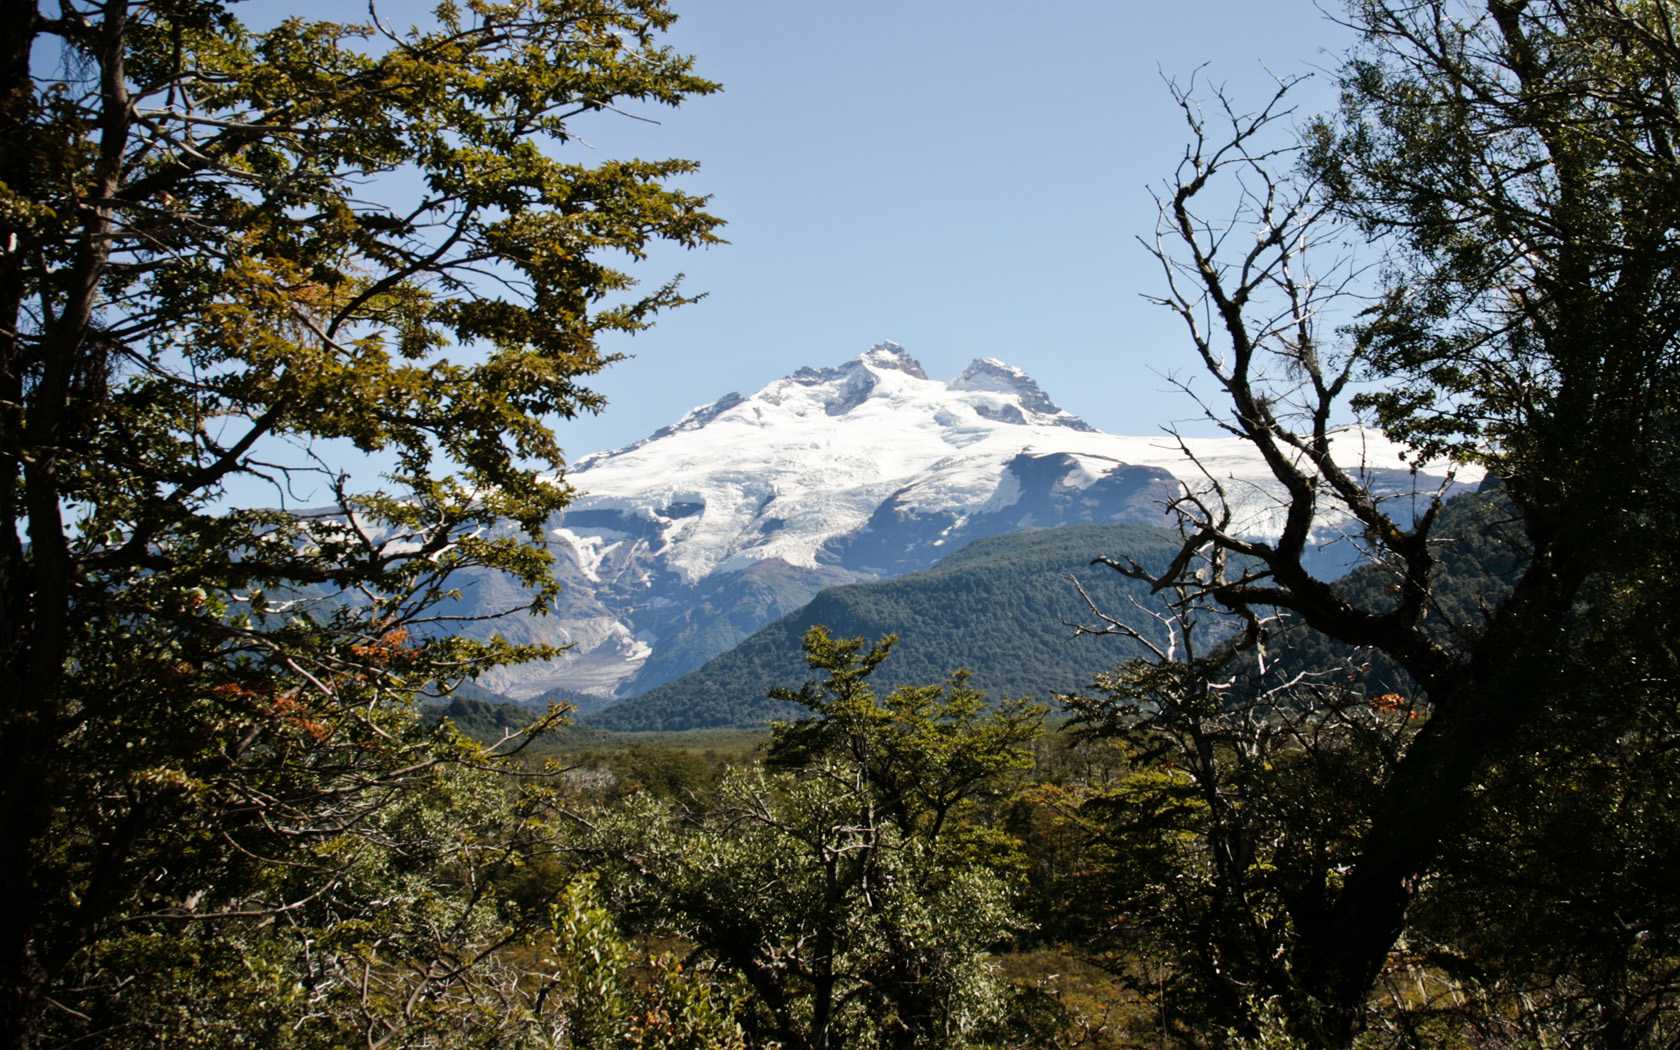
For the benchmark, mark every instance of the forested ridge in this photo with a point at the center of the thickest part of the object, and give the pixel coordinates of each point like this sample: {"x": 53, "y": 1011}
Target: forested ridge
{"x": 1428, "y": 804}
{"x": 1001, "y": 608}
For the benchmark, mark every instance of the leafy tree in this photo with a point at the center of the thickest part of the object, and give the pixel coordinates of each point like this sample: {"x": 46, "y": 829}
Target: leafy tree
{"x": 220, "y": 249}
{"x": 410, "y": 928}
{"x": 844, "y": 884}
{"x": 1247, "y": 792}
{"x": 1513, "y": 165}
{"x": 1554, "y": 913}
{"x": 925, "y": 751}
{"x": 607, "y": 1005}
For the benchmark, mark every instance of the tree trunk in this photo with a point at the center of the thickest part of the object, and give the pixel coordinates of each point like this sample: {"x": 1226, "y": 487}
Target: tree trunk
{"x": 1505, "y": 686}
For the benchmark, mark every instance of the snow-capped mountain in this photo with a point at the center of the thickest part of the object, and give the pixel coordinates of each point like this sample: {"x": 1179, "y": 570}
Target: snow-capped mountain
{"x": 689, "y": 540}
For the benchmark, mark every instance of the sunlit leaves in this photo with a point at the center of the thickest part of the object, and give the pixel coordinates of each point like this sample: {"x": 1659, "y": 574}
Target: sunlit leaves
{"x": 225, "y": 250}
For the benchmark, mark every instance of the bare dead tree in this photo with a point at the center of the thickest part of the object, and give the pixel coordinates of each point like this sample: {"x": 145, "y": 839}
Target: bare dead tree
{"x": 1280, "y": 315}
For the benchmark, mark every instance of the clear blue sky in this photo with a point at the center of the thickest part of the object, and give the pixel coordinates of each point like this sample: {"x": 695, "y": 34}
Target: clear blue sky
{"x": 966, "y": 177}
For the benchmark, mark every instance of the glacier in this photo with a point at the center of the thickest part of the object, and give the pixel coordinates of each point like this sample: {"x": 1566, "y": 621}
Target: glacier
{"x": 682, "y": 544}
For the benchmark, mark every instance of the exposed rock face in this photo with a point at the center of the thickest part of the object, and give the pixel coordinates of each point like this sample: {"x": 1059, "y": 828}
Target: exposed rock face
{"x": 990, "y": 374}
{"x": 909, "y": 531}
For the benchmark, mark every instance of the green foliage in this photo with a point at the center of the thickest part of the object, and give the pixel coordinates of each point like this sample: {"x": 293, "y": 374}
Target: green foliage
{"x": 847, "y": 886}
{"x": 924, "y": 750}
{"x": 1511, "y": 167}
{"x": 1521, "y": 162}
{"x": 1222, "y": 844}
{"x": 1245, "y": 796}
{"x": 505, "y": 727}
{"x": 848, "y": 934}
{"x": 610, "y": 1006}
{"x": 225, "y": 248}
{"x": 1561, "y": 882}
{"x": 683, "y": 775}
{"x": 379, "y": 920}
{"x": 999, "y": 607}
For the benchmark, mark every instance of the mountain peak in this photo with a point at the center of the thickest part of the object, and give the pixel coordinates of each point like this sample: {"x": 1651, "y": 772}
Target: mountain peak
{"x": 679, "y": 545}
{"x": 855, "y": 382}
{"x": 988, "y": 374}
{"x": 885, "y": 356}
{"x": 889, "y": 356}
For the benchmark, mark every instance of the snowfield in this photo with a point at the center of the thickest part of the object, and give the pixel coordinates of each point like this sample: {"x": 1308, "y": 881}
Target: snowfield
{"x": 860, "y": 471}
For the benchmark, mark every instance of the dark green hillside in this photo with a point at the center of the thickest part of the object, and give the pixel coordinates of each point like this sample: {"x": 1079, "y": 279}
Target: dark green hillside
{"x": 996, "y": 608}
{"x": 583, "y": 703}
{"x": 500, "y": 722}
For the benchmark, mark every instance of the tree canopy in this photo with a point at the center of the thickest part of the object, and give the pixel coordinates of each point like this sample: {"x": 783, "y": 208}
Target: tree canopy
{"x": 1508, "y": 172}
{"x": 221, "y": 247}
{"x": 847, "y": 883}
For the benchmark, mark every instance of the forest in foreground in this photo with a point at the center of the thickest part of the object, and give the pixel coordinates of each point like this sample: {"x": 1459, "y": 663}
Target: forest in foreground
{"x": 1429, "y": 805}
{"x": 1127, "y": 867}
